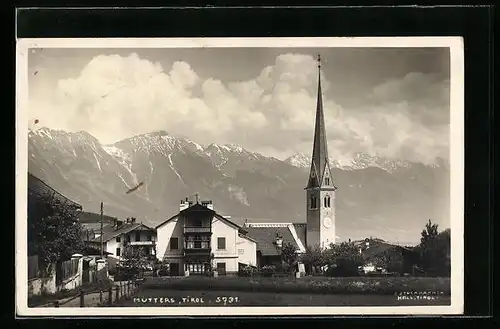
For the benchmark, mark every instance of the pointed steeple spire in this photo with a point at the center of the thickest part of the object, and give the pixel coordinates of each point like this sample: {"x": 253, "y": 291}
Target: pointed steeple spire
{"x": 319, "y": 163}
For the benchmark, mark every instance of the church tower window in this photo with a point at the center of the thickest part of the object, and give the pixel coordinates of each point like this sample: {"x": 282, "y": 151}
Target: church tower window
{"x": 327, "y": 201}
{"x": 313, "y": 202}
{"x": 327, "y": 181}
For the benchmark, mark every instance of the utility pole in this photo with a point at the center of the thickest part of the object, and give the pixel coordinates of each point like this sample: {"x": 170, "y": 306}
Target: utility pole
{"x": 102, "y": 247}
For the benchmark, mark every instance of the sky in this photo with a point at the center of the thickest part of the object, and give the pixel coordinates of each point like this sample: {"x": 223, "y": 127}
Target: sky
{"x": 392, "y": 102}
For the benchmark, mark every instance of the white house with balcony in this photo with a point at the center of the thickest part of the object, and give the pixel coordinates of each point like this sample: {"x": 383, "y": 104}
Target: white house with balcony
{"x": 197, "y": 239}
{"x": 127, "y": 234}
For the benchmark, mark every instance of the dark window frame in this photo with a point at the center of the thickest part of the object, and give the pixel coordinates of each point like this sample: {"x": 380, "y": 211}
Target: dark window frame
{"x": 176, "y": 243}
{"x": 219, "y": 239}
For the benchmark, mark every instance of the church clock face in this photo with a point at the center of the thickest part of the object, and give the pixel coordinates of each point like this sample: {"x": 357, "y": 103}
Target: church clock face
{"x": 327, "y": 222}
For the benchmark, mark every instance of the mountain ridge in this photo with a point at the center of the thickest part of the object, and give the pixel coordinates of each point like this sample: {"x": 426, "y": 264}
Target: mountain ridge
{"x": 241, "y": 183}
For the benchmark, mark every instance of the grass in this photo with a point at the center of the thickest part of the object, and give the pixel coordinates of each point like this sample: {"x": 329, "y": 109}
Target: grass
{"x": 176, "y": 298}
{"x": 305, "y": 285}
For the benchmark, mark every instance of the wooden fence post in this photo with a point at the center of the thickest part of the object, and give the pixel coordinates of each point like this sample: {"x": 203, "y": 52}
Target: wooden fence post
{"x": 100, "y": 297}
{"x": 56, "y": 303}
{"x": 110, "y": 296}
{"x": 128, "y": 288}
{"x": 117, "y": 293}
{"x": 82, "y": 298}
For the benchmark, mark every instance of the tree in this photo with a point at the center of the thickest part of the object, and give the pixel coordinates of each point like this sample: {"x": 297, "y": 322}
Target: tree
{"x": 344, "y": 259}
{"x": 133, "y": 261}
{"x": 289, "y": 256}
{"x": 54, "y": 231}
{"x": 314, "y": 258}
{"x": 392, "y": 259}
{"x": 434, "y": 250}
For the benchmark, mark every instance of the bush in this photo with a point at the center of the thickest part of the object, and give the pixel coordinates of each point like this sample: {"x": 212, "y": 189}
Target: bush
{"x": 126, "y": 273}
{"x": 268, "y": 270}
{"x": 343, "y": 268}
{"x": 164, "y": 269}
{"x": 247, "y": 271}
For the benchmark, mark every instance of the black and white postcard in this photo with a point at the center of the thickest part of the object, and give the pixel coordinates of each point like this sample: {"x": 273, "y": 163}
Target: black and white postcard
{"x": 240, "y": 176}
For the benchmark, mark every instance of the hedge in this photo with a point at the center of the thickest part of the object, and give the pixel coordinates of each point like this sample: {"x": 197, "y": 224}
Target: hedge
{"x": 314, "y": 285}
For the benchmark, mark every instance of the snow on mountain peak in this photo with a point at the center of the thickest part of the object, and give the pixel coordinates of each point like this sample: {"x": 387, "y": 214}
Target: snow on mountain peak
{"x": 359, "y": 161}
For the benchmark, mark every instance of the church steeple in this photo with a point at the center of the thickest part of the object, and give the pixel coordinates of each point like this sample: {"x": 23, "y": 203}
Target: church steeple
{"x": 320, "y": 167}
{"x": 320, "y": 190}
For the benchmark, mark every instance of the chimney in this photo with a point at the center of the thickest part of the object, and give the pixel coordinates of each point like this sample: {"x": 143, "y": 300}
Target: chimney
{"x": 279, "y": 240}
{"x": 119, "y": 223}
{"x": 115, "y": 222}
{"x": 184, "y": 204}
{"x": 132, "y": 220}
{"x": 208, "y": 204}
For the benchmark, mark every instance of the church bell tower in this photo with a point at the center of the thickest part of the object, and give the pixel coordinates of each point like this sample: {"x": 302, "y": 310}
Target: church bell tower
{"x": 320, "y": 190}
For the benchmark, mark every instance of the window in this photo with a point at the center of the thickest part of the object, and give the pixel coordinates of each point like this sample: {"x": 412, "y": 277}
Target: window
{"x": 221, "y": 268}
{"x": 327, "y": 181}
{"x": 118, "y": 252}
{"x": 327, "y": 201}
{"x": 221, "y": 244}
{"x": 312, "y": 202}
{"x": 150, "y": 237}
{"x": 196, "y": 268}
{"x": 118, "y": 239}
{"x": 138, "y": 236}
{"x": 174, "y": 243}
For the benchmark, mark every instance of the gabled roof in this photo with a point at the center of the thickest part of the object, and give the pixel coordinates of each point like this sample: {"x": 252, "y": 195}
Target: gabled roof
{"x": 198, "y": 207}
{"x": 265, "y": 235}
{"x": 377, "y": 247}
{"x": 125, "y": 228}
{"x": 39, "y": 188}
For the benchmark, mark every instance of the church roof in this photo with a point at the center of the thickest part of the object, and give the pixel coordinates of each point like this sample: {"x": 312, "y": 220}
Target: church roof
{"x": 265, "y": 236}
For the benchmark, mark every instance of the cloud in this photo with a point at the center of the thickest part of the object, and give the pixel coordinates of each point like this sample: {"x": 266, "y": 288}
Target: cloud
{"x": 114, "y": 97}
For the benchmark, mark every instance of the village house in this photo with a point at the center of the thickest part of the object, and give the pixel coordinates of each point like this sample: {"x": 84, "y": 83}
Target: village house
{"x": 197, "y": 239}
{"x": 128, "y": 234}
{"x": 377, "y": 253}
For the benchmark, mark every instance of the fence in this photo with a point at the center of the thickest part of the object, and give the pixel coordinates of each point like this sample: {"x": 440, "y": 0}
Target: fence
{"x": 67, "y": 269}
{"x": 102, "y": 298}
{"x": 33, "y": 270}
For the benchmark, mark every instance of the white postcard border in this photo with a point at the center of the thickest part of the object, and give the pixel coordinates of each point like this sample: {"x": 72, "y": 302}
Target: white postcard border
{"x": 455, "y": 44}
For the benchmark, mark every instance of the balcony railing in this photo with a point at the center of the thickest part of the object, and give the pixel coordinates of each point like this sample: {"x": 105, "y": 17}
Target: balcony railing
{"x": 141, "y": 243}
{"x": 197, "y": 229}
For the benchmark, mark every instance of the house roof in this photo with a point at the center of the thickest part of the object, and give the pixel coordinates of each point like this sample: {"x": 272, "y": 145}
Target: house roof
{"x": 91, "y": 250}
{"x": 39, "y": 188}
{"x": 197, "y": 207}
{"x": 377, "y": 247}
{"x": 125, "y": 228}
{"x": 266, "y": 238}
{"x": 96, "y": 227}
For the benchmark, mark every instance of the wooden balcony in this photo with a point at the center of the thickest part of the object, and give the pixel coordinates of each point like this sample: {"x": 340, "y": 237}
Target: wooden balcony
{"x": 188, "y": 230}
{"x": 141, "y": 243}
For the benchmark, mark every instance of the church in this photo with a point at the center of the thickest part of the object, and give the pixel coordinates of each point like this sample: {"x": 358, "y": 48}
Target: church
{"x": 319, "y": 229}
{"x": 198, "y": 236}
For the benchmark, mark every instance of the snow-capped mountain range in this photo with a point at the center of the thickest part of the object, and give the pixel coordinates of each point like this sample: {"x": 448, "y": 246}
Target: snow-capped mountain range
{"x": 375, "y": 194}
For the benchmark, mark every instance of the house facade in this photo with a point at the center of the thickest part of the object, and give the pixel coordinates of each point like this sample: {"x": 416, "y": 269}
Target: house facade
{"x": 125, "y": 235}
{"x": 198, "y": 239}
